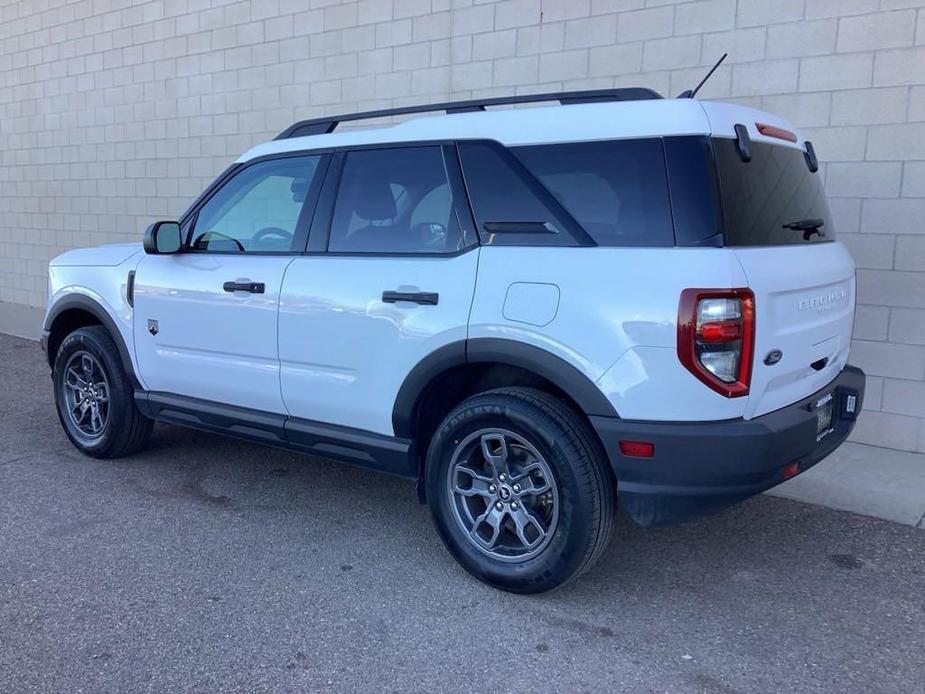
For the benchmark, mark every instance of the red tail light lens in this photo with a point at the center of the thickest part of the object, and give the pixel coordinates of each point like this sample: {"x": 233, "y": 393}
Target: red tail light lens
{"x": 716, "y": 337}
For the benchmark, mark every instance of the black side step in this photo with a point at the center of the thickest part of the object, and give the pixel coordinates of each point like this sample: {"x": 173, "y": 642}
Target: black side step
{"x": 356, "y": 446}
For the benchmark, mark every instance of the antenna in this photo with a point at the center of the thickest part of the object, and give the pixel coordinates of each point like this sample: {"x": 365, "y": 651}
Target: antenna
{"x": 690, "y": 94}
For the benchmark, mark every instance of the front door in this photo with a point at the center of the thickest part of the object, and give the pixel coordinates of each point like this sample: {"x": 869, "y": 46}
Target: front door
{"x": 391, "y": 282}
{"x": 205, "y": 319}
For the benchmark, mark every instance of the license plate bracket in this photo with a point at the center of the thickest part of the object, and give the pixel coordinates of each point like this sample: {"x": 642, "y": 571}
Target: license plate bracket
{"x": 824, "y": 407}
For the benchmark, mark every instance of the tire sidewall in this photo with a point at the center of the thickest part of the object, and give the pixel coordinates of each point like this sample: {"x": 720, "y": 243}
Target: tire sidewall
{"x": 573, "y": 534}
{"x": 87, "y": 339}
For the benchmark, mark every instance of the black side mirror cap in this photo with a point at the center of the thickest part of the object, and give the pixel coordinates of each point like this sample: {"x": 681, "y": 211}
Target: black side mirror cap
{"x": 812, "y": 162}
{"x": 743, "y": 143}
{"x": 163, "y": 238}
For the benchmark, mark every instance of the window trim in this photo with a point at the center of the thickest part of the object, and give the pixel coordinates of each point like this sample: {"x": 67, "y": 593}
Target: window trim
{"x": 319, "y": 235}
{"x": 189, "y": 218}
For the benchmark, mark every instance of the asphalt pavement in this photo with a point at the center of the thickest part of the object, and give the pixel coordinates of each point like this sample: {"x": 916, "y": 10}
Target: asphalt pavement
{"x": 207, "y": 564}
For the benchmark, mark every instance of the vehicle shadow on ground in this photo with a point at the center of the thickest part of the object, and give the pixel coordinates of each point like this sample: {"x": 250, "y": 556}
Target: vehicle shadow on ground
{"x": 762, "y": 540}
{"x": 758, "y": 542}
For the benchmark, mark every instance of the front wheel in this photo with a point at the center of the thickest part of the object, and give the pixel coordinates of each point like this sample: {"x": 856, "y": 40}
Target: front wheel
{"x": 95, "y": 398}
{"x": 519, "y": 490}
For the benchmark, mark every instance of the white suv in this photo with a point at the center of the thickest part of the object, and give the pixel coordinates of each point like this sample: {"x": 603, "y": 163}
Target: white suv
{"x": 532, "y": 312}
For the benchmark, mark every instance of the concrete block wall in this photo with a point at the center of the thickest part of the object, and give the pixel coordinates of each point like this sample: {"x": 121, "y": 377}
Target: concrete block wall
{"x": 116, "y": 112}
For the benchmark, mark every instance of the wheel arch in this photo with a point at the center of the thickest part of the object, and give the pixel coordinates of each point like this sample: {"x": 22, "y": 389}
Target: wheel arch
{"x": 77, "y": 311}
{"x": 460, "y": 369}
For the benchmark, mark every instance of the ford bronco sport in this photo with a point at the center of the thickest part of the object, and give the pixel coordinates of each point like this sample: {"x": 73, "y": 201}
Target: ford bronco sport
{"x": 534, "y": 313}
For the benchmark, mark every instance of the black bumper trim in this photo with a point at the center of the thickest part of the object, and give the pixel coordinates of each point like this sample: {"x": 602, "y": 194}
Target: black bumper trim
{"x": 701, "y": 467}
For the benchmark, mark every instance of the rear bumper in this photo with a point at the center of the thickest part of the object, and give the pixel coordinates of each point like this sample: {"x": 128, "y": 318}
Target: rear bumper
{"x": 702, "y": 467}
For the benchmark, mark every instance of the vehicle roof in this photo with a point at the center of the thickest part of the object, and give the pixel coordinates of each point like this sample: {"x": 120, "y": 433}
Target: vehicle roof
{"x": 551, "y": 125}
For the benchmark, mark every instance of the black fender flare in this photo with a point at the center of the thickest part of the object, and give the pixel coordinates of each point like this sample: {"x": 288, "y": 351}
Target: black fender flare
{"x": 478, "y": 350}
{"x": 94, "y": 308}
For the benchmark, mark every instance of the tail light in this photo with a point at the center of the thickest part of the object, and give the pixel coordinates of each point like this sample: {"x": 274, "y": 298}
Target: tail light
{"x": 716, "y": 337}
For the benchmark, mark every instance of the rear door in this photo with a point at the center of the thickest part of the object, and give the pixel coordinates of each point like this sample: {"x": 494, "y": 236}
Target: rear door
{"x": 205, "y": 318}
{"x": 388, "y": 280}
{"x": 778, "y": 223}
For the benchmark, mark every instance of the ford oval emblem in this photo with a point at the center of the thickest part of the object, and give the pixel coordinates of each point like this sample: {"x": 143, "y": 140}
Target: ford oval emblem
{"x": 772, "y": 357}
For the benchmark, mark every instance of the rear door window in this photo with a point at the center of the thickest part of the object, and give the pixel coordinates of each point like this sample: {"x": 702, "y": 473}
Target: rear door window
{"x": 395, "y": 200}
{"x": 772, "y": 200}
{"x": 617, "y": 190}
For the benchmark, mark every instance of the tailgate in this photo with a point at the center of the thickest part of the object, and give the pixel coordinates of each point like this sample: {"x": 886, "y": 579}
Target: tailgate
{"x": 804, "y": 308}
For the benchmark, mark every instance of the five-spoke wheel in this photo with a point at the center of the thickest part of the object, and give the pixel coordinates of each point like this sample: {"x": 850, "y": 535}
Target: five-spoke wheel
{"x": 504, "y": 494}
{"x": 95, "y": 397}
{"x": 86, "y": 392}
{"x": 520, "y": 489}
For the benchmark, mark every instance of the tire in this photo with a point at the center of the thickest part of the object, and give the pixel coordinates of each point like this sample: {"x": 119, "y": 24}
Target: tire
{"x": 495, "y": 532}
{"x": 89, "y": 380}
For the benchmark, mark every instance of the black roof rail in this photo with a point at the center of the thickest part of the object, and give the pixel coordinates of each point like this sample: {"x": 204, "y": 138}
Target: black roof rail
{"x": 321, "y": 126}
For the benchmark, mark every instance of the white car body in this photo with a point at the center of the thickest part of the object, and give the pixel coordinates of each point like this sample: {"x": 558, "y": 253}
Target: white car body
{"x": 320, "y": 345}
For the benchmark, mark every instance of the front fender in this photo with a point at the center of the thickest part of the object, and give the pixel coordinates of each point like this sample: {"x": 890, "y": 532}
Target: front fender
{"x": 62, "y": 307}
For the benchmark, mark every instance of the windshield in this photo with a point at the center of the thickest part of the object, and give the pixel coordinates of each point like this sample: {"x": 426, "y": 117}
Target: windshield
{"x": 774, "y": 199}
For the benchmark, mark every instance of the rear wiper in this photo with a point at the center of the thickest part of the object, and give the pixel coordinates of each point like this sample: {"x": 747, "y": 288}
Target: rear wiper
{"x": 807, "y": 226}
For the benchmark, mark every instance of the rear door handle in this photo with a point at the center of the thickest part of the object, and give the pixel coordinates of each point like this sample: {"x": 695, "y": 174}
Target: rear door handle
{"x": 250, "y": 287}
{"x": 425, "y": 298}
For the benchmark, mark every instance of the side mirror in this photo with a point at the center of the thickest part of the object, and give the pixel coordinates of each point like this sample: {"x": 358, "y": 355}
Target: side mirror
{"x": 163, "y": 238}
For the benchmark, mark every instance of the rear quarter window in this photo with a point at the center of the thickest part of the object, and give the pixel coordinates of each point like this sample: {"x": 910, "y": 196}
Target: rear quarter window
{"x": 510, "y": 205}
{"x": 617, "y": 190}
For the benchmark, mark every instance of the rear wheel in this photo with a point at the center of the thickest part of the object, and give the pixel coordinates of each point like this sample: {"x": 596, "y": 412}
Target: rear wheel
{"x": 95, "y": 398}
{"x": 519, "y": 490}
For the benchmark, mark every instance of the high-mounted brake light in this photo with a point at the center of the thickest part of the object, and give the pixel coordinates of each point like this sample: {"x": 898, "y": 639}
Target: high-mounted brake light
{"x": 716, "y": 337}
{"x": 774, "y": 131}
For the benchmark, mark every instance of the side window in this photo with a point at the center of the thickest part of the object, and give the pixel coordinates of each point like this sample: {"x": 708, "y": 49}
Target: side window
{"x": 617, "y": 190}
{"x": 510, "y": 207}
{"x": 395, "y": 200}
{"x": 258, "y": 209}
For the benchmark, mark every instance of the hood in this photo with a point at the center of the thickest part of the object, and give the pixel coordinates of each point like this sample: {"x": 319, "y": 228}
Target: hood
{"x": 99, "y": 256}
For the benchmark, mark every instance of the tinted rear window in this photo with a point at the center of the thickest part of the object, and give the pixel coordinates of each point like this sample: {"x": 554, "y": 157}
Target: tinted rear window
{"x": 773, "y": 200}
{"x": 616, "y": 190}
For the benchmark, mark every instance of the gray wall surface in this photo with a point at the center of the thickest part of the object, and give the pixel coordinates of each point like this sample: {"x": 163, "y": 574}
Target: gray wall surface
{"x": 114, "y": 113}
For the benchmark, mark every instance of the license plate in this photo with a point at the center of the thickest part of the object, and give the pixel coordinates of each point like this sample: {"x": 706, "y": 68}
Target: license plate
{"x": 823, "y": 409}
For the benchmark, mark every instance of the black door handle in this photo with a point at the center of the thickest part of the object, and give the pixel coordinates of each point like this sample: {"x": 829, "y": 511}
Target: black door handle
{"x": 250, "y": 287}
{"x": 426, "y": 298}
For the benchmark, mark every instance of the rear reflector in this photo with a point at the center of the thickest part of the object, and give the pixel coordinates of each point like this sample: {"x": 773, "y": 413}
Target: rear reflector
{"x": 791, "y": 470}
{"x": 637, "y": 449}
{"x": 774, "y": 131}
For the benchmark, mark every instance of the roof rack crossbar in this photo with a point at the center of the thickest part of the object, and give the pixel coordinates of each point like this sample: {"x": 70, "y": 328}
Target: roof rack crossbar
{"x": 321, "y": 126}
